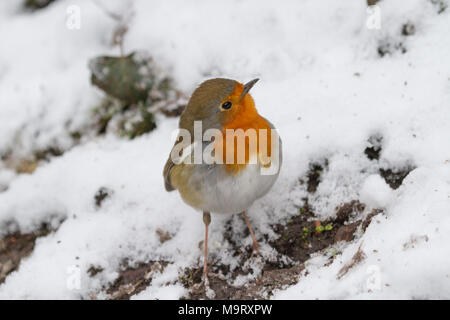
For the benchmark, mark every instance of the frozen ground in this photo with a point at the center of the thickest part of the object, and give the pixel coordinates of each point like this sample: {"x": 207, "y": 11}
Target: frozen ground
{"x": 329, "y": 84}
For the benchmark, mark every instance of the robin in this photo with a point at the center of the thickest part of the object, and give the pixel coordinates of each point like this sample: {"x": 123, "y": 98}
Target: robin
{"x": 224, "y": 186}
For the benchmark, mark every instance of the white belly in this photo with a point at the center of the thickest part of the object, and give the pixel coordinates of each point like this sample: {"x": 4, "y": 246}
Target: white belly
{"x": 233, "y": 193}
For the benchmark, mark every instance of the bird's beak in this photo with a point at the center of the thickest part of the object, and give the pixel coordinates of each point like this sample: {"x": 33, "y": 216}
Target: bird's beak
{"x": 247, "y": 88}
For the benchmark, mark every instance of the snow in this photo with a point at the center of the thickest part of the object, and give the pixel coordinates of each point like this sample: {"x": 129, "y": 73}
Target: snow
{"x": 322, "y": 84}
{"x": 375, "y": 192}
{"x": 403, "y": 251}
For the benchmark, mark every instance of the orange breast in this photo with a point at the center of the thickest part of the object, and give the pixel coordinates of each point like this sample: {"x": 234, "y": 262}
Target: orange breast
{"x": 257, "y": 135}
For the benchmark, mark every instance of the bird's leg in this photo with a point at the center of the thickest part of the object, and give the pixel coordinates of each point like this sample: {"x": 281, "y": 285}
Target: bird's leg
{"x": 206, "y": 273}
{"x": 255, "y": 243}
{"x": 206, "y": 221}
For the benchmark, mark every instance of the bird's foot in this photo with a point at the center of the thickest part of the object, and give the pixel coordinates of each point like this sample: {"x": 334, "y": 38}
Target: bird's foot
{"x": 204, "y": 284}
{"x": 205, "y": 278}
{"x": 207, "y": 274}
{"x": 216, "y": 275}
{"x": 256, "y": 259}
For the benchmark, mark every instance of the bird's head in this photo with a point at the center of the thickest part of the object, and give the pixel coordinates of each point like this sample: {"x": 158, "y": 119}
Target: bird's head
{"x": 219, "y": 102}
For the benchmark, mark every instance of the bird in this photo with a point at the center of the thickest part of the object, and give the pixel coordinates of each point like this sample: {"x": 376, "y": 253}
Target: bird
{"x": 221, "y": 186}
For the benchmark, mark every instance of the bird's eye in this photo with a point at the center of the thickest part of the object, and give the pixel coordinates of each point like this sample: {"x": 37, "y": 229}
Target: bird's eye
{"x": 226, "y": 105}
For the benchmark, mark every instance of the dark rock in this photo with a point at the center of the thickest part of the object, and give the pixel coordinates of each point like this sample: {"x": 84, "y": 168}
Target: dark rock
{"x": 408, "y": 29}
{"x": 314, "y": 175}
{"x": 373, "y": 149}
{"x": 37, "y": 4}
{"x": 101, "y": 195}
{"x": 372, "y": 2}
{"x": 14, "y": 247}
{"x": 394, "y": 178}
{"x": 128, "y": 78}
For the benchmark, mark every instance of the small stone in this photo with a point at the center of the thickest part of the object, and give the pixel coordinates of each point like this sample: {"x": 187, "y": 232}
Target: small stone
{"x": 101, "y": 195}
{"x": 346, "y": 233}
{"x": 163, "y": 235}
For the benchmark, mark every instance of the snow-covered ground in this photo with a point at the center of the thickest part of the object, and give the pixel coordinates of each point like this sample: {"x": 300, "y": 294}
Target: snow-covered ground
{"x": 324, "y": 84}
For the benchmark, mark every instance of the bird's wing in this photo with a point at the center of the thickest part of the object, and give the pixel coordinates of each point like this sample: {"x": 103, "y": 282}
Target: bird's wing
{"x": 169, "y": 165}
